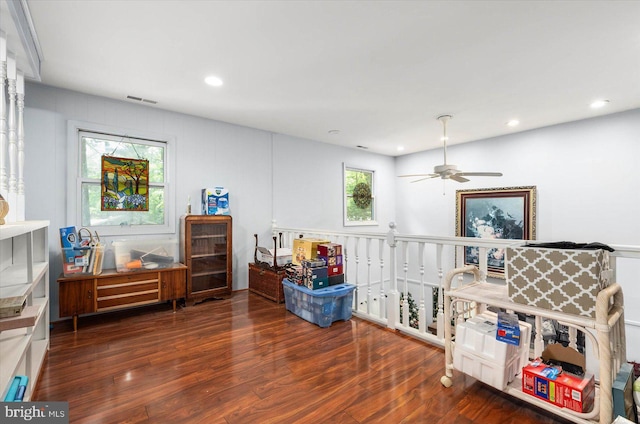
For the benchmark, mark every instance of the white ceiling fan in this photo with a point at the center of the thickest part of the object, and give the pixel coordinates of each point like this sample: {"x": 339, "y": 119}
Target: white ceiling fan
{"x": 448, "y": 171}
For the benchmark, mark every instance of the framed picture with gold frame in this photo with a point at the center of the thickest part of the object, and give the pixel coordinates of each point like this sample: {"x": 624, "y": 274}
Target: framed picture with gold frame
{"x": 496, "y": 213}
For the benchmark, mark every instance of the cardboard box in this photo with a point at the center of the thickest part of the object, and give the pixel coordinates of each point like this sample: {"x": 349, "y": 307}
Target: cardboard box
{"x": 336, "y": 279}
{"x": 562, "y": 389}
{"x": 305, "y": 248}
{"x": 315, "y": 278}
{"x": 508, "y": 328}
{"x": 332, "y": 260}
{"x": 563, "y": 280}
{"x": 329, "y": 249}
{"x": 334, "y": 270}
{"x": 215, "y": 201}
{"x": 295, "y": 274}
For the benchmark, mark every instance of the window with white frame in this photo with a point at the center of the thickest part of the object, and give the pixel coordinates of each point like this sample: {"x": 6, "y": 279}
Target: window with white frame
{"x": 359, "y": 197}
{"x": 88, "y": 144}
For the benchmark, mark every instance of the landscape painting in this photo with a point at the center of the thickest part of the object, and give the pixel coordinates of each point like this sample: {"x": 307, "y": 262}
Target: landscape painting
{"x": 497, "y": 213}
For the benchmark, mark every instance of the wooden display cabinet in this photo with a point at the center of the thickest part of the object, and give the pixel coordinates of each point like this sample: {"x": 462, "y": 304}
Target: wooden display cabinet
{"x": 206, "y": 249}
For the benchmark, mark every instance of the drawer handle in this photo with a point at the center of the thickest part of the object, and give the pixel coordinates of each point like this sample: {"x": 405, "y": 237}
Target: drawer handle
{"x": 90, "y": 294}
{"x": 262, "y": 272}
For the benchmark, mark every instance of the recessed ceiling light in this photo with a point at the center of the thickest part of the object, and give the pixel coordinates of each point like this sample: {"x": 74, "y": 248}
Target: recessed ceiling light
{"x": 513, "y": 123}
{"x": 400, "y": 148}
{"x": 213, "y": 81}
{"x": 599, "y": 103}
{"x": 334, "y": 132}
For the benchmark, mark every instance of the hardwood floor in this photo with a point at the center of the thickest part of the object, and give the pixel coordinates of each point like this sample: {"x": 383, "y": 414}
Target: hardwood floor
{"x": 248, "y": 360}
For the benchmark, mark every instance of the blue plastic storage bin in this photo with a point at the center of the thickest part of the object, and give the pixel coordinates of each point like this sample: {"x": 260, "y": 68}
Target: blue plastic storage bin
{"x": 321, "y": 306}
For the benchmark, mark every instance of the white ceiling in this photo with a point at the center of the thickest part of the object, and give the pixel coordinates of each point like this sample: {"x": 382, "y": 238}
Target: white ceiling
{"x": 380, "y": 72}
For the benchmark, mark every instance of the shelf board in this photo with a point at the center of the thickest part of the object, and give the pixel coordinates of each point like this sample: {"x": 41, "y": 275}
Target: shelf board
{"x": 15, "y": 229}
{"x": 497, "y": 295}
{"x": 515, "y": 389}
{"x": 26, "y": 319}
{"x": 200, "y": 274}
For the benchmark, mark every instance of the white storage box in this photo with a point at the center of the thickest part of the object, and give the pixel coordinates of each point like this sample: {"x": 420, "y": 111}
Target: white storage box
{"x": 266, "y": 255}
{"x": 145, "y": 254}
{"x": 495, "y": 374}
{"x": 478, "y": 353}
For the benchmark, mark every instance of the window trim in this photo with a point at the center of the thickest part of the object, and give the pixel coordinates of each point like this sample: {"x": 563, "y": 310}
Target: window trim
{"x": 75, "y": 179}
{"x": 374, "y": 212}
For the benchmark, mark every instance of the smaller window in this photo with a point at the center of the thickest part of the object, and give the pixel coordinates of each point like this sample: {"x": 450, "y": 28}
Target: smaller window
{"x": 359, "y": 197}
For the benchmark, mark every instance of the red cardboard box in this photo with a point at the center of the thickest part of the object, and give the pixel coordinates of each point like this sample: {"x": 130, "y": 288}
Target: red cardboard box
{"x": 335, "y": 270}
{"x": 566, "y": 390}
{"x": 329, "y": 249}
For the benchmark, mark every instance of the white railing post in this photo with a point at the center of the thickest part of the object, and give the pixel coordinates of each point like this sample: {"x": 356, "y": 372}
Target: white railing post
{"x": 422, "y": 313}
{"x": 405, "y": 270}
{"x": 356, "y": 243}
{"x": 393, "y": 312}
{"x": 383, "y": 302}
{"x": 440, "y": 316}
{"x": 369, "y": 296}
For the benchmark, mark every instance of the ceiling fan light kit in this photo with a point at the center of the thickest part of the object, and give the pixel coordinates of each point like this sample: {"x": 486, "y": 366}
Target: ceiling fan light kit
{"x": 448, "y": 171}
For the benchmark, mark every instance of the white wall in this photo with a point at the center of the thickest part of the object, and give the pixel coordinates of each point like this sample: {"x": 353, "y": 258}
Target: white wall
{"x": 269, "y": 176}
{"x": 586, "y": 174}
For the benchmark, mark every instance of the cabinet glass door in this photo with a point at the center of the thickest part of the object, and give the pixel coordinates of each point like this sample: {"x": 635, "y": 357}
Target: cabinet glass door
{"x": 208, "y": 256}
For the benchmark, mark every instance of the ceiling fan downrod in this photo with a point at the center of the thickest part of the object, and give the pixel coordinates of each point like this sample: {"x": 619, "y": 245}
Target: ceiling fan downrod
{"x": 444, "y": 119}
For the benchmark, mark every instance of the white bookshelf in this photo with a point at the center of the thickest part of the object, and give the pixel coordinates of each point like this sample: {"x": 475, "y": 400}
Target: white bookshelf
{"x": 24, "y": 272}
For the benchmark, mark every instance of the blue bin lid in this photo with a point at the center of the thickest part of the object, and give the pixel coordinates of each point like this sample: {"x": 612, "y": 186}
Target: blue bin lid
{"x": 331, "y": 291}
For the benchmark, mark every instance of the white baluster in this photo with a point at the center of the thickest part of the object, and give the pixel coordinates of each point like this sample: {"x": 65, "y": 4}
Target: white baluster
{"x": 20, "y": 206}
{"x": 356, "y": 243}
{"x": 440, "y": 317}
{"x": 422, "y": 313}
{"x": 12, "y": 146}
{"x": 4, "y": 184}
{"x": 369, "y": 294}
{"x": 405, "y": 271}
{"x": 393, "y": 311}
{"x": 382, "y": 302}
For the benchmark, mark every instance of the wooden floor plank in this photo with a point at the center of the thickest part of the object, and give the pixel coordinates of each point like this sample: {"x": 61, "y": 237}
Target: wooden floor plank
{"x": 247, "y": 360}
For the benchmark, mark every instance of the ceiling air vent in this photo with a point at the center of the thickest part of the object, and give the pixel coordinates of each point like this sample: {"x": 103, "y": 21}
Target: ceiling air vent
{"x": 140, "y": 99}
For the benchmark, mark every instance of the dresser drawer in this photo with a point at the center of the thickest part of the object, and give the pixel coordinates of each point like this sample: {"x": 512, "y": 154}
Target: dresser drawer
{"x": 127, "y": 290}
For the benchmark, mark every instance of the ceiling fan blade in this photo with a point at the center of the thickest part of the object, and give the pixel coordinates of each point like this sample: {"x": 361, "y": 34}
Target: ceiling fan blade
{"x": 428, "y": 177}
{"x": 481, "y": 174}
{"x": 418, "y": 175}
{"x": 458, "y": 178}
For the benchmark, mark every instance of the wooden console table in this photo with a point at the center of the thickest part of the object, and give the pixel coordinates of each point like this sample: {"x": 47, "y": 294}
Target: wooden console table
{"x": 112, "y": 290}
{"x": 266, "y": 282}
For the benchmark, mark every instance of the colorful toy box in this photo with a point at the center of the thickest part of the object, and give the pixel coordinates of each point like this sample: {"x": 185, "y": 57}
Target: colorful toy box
{"x": 215, "y": 201}
{"x": 321, "y": 307}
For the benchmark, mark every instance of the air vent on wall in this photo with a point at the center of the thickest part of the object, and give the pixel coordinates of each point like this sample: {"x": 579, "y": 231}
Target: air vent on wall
{"x": 140, "y": 99}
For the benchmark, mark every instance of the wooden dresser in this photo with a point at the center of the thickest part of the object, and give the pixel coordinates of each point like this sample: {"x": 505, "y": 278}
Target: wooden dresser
{"x": 111, "y": 290}
{"x": 266, "y": 282}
